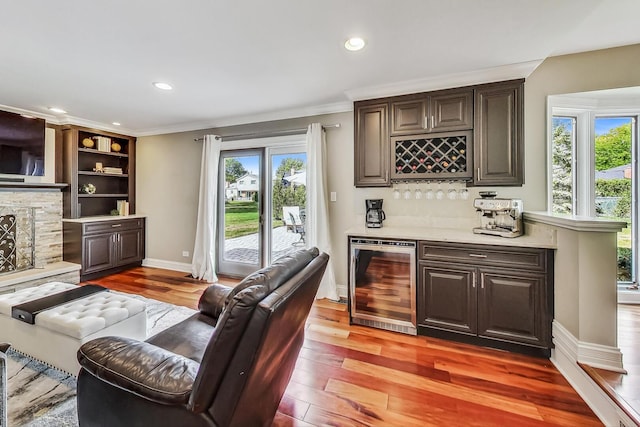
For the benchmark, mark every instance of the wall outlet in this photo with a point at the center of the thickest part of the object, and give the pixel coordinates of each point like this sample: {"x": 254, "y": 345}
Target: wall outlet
{"x": 334, "y": 196}
{"x": 185, "y": 253}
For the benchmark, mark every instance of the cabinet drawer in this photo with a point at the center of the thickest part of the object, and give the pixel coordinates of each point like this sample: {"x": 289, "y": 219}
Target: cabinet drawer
{"x": 115, "y": 225}
{"x": 532, "y": 259}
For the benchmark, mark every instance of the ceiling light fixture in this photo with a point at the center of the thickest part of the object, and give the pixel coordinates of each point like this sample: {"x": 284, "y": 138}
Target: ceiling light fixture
{"x": 354, "y": 43}
{"x": 116, "y": 123}
{"x": 163, "y": 86}
{"x": 57, "y": 110}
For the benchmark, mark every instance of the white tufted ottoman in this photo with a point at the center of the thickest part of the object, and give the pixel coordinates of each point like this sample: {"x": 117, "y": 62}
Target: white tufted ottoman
{"x": 58, "y": 332}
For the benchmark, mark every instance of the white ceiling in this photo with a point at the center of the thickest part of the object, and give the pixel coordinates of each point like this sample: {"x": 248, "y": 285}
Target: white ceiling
{"x": 243, "y": 61}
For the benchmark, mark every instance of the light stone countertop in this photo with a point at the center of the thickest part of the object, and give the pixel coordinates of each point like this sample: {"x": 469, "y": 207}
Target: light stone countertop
{"x": 457, "y": 235}
{"x": 103, "y": 218}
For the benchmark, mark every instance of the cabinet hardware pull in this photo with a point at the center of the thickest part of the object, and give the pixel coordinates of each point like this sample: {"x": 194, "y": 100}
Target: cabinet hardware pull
{"x": 432, "y": 122}
{"x": 425, "y": 122}
{"x": 478, "y": 173}
{"x": 116, "y": 225}
{"x": 477, "y": 255}
{"x": 482, "y": 281}
{"x": 473, "y": 280}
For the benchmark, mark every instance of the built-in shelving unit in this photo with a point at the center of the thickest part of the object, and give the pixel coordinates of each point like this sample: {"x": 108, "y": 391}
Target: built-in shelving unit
{"x": 86, "y": 152}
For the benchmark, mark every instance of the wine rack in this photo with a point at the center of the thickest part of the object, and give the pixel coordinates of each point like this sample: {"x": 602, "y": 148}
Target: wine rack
{"x": 446, "y": 156}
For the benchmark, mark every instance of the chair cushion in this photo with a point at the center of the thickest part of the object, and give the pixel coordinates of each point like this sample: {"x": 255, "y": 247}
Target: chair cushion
{"x": 140, "y": 367}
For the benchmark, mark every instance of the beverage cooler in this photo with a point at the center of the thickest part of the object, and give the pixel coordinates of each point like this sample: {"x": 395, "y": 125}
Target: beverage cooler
{"x": 382, "y": 284}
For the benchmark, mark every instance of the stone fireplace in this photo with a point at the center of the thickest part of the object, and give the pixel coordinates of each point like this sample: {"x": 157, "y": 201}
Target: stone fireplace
{"x": 31, "y": 236}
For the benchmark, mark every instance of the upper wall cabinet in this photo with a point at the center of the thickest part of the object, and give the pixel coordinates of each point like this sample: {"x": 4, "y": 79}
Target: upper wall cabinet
{"x": 472, "y": 133}
{"x": 372, "y": 144}
{"x": 442, "y": 111}
{"x": 498, "y": 134}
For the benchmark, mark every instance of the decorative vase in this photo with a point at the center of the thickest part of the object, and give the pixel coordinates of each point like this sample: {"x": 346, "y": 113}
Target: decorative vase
{"x": 115, "y": 147}
{"x": 88, "y": 143}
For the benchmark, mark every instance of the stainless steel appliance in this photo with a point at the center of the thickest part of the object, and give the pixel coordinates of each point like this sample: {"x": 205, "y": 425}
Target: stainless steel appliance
{"x": 500, "y": 217}
{"x": 382, "y": 284}
{"x": 375, "y": 214}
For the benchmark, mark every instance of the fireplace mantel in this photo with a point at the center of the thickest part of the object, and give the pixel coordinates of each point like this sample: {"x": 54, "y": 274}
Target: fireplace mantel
{"x": 30, "y": 186}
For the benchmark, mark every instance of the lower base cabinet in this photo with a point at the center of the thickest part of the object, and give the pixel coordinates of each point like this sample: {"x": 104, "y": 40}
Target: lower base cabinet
{"x": 104, "y": 247}
{"x": 490, "y": 295}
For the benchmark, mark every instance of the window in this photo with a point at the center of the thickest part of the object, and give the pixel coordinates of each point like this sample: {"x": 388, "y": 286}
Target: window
{"x": 592, "y": 172}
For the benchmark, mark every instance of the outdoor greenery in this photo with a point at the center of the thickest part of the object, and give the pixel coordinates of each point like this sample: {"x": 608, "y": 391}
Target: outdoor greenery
{"x": 287, "y": 195}
{"x": 562, "y": 170}
{"x": 233, "y": 169}
{"x": 613, "y": 148}
{"x": 241, "y": 217}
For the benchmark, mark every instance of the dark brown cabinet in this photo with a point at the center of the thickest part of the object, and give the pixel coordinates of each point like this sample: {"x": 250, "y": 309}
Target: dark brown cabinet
{"x": 103, "y": 159}
{"x": 372, "y": 144}
{"x": 483, "y": 124}
{"x": 441, "y": 111}
{"x": 493, "y": 295}
{"x": 104, "y": 247}
{"x": 498, "y": 134}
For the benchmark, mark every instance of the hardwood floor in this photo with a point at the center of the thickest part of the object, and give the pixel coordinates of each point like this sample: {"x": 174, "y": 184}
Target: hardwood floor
{"x": 359, "y": 376}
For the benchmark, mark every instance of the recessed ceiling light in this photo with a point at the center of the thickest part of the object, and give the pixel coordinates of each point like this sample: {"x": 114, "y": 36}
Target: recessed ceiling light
{"x": 354, "y": 43}
{"x": 27, "y": 116}
{"x": 163, "y": 86}
{"x": 116, "y": 123}
{"x": 57, "y": 110}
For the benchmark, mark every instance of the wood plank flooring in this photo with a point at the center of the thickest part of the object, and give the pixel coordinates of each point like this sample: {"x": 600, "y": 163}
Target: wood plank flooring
{"x": 359, "y": 376}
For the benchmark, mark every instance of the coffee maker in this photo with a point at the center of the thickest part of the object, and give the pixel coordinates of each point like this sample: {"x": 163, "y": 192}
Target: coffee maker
{"x": 499, "y": 217}
{"x": 375, "y": 214}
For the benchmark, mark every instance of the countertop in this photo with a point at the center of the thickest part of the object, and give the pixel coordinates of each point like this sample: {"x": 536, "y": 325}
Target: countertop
{"x": 102, "y": 218}
{"x": 457, "y": 235}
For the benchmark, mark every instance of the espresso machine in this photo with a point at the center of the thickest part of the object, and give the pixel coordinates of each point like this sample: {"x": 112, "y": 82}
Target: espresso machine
{"x": 375, "y": 214}
{"x": 499, "y": 217}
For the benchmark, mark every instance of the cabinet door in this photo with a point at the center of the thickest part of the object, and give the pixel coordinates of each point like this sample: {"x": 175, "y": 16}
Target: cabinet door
{"x": 372, "y": 145}
{"x": 129, "y": 246}
{"x": 98, "y": 253}
{"x": 408, "y": 117}
{"x": 451, "y": 111}
{"x": 511, "y": 307}
{"x": 498, "y": 134}
{"x": 447, "y": 297}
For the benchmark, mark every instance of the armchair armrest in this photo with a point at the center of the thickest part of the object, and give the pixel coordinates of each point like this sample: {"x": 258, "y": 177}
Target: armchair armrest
{"x": 144, "y": 369}
{"x": 213, "y": 299}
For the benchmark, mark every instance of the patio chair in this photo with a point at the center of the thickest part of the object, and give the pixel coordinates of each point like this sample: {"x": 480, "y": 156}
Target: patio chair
{"x": 293, "y": 218}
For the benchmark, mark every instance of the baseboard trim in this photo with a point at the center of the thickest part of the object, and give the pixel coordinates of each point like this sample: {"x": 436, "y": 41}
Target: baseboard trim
{"x": 168, "y": 265}
{"x": 628, "y": 297}
{"x": 565, "y": 356}
{"x": 342, "y": 290}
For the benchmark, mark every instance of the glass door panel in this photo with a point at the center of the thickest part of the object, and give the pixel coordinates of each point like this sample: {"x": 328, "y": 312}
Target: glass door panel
{"x": 239, "y": 217}
{"x": 287, "y": 200}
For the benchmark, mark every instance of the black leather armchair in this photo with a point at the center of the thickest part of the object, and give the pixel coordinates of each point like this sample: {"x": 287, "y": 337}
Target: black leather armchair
{"x": 227, "y": 365}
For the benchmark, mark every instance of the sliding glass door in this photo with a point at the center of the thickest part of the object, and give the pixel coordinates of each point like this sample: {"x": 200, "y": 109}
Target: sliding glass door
{"x": 262, "y": 215}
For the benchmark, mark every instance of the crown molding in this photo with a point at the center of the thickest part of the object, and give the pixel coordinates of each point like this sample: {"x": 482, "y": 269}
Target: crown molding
{"x": 338, "y": 107}
{"x": 50, "y": 118}
{"x": 487, "y": 75}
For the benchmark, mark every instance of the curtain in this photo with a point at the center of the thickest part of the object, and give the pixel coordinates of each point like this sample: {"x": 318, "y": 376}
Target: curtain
{"x": 318, "y": 215}
{"x": 204, "y": 251}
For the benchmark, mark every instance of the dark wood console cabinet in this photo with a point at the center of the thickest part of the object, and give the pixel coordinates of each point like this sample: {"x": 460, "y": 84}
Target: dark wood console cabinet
{"x": 104, "y": 247}
{"x": 489, "y": 295}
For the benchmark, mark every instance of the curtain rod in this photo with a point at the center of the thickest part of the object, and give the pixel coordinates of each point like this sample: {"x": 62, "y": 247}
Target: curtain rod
{"x": 267, "y": 134}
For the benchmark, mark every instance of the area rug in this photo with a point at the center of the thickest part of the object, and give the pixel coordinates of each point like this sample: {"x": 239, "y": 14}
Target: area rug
{"x": 41, "y": 396}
